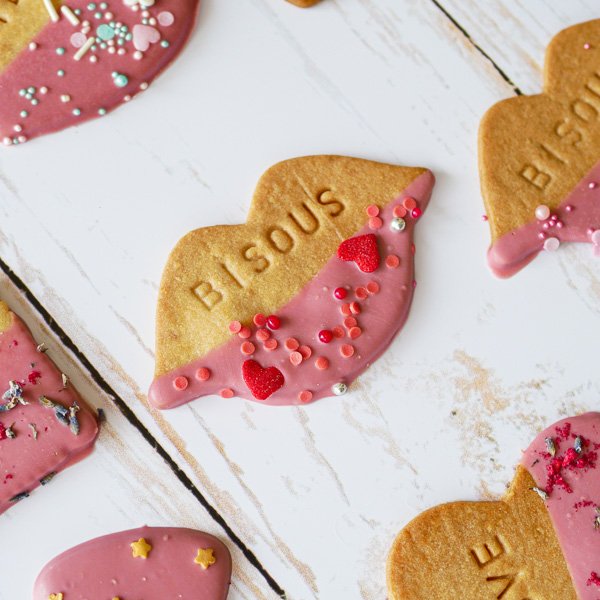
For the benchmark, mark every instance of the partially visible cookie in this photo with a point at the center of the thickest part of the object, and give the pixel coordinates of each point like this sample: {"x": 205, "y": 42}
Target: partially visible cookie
{"x": 539, "y": 157}
{"x": 45, "y": 426}
{"x": 63, "y": 63}
{"x": 540, "y": 541}
{"x": 294, "y": 304}
{"x": 153, "y": 563}
{"x": 304, "y": 3}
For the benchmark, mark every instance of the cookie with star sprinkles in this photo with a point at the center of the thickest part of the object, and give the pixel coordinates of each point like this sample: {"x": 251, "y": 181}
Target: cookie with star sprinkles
{"x": 153, "y": 563}
{"x": 541, "y": 540}
{"x": 539, "y": 157}
{"x": 65, "y": 62}
{"x": 45, "y": 426}
{"x": 294, "y": 304}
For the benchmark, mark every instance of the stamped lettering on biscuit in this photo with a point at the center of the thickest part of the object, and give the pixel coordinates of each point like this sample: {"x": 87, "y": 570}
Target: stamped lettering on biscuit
{"x": 488, "y": 552}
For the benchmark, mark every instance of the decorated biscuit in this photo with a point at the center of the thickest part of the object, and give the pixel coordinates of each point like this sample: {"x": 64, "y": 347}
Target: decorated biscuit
{"x": 293, "y": 305}
{"x": 541, "y": 540}
{"x": 65, "y": 62}
{"x": 153, "y": 563}
{"x": 304, "y": 3}
{"x": 539, "y": 157}
{"x": 45, "y": 426}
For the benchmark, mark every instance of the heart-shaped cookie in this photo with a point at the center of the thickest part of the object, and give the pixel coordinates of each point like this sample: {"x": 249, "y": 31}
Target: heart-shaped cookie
{"x": 274, "y": 290}
{"x": 540, "y": 541}
{"x": 153, "y": 563}
{"x": 539, "y": 157}
{"x": 63, "y": 63}
{"x": 45, "y": 426}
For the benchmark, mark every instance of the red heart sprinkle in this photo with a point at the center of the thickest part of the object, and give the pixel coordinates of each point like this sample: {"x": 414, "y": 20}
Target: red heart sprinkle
{"x": 261, "y": 382}
{"x": 362, "y": 250}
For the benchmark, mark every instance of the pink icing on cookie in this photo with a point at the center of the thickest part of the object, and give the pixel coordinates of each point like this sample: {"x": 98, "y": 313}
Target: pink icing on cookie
{"x": 106, "y": 567}
{"x": 49, "y": 446}
{"x": 571, "y": 480}
{"x": 313, "y": 310}
{"x": 577, "y": 220}
{"x": 52, "y": 87}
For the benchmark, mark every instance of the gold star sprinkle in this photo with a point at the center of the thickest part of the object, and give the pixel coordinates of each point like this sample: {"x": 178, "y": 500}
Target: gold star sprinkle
{"x": 141, "y": 548}
{"x": 205, "y": 558}
{"x": 55, "y": 597}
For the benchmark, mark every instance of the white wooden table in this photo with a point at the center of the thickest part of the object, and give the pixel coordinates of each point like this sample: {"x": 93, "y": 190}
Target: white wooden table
{"x": 308, "y": 499}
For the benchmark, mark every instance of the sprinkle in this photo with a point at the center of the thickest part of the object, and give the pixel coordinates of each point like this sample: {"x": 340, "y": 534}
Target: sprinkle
{"x": 551, "y": 244}
{"x": 291, "y": 344}
{"x": 271, "y": 345}
{"x": 355, "y": 308}
{"x": 65, "y": 98}
{"x": 325, "y": 336}
{"x": 340, "y": 293}
{"x": 415, "y": 213}
{"x": 347, "y": 350}
{"x": 361, "y": 292}
{"x": 542, "y": 212}
{"x": 202, "y": 374}
{"x": 398, "y": 224}
{"x": 345, "y": 310}
{"x": 338, "y": 332}
{"x": 550, "y": 446}
{"x": 339, "y": 389}
{"x": 235, "y": 327}
{"x": 34, "y": 430}
{"x": 592, "y": 185}
{"x": 46, "y": 480}
{"x": 82, "y": 51}
{"x": 105, "y": 32}
{"x": 409, "y": 203}
{"x": 70, "y": 15}
{"x": 140, "y": 548}
{"x": 273, "y": 322}
{"x": 542, "y": 494}
{"x": 180, "y": 383}
{"x": 392, "y": 261}
{"x": 262, "y": 335}
{"x": 248, "y": 348}
{"x": 65, "y": 381}
{"x": 73, "y": 423}
{"x": 596, "y": 237}
{"x": 399, "y": 211}
{"x": 296, "y": 358}
{"x": 166, "y": 19}
{"x": 349, "y": 322}
{"x": 306, "y": 352}
{"x": 375, "y": 223}
{"x": 245, "y": 332}
{"x": 305, "y": 396}
{"x": 119, "y": 79}
{"x": 76, "y": 112}
{"x": 33, "y": 46}
{"x": 205, "y": 558}
{"x": 484, "y": 218}
{"x": 355, "y": 332}
{"x": 568, "y": 208}
{"x": 226, "y": 393}
{"x": 372, "y": 287}
{"x": 260, "y": 320}
{"x": 586, "y": 46}
{"x": 322, "y": 363}
{"x": 372, "y": 211}
{"x": 60, "y": 72}
{"x": 51, "y": 10}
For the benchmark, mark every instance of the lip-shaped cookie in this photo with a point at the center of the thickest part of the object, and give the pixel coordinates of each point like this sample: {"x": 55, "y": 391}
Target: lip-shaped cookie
{"x": 327, "y": 251}
{"x": 542, "y": 540}
{"x": 153, "y": 563}
{"x": 45, "y": 426}
{"x": 64, "y": 63}
{"x": 539, "y": 157}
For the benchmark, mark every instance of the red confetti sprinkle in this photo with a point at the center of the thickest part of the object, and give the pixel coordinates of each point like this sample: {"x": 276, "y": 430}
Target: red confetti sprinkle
{"x": 296, "y": 358}
{"x": 361, "y": 292}
{"x": 306, "y": 352}
{"x": 325, "y": 336}
{"x": 362, "y": 250}
{"x": 292, "y": 344}
{"x": 180, "y": 383}
{"x": 355, "y": 332}
{"x": 202, "y": 374}
{"x": 260, "y": 320}
{"x": 399, "y": 211}
{"x": 33, "y": 377}
{"x": 392, "y": 261}
{"x": 262, "y": 335}
{"x": 340, "y": 293}
{"x": 271, "y": 344}
{"x": 3, "y": 435}
{"x": 226, "y": 393}
{"x": 593, "y": 579}
{"x": 373, "y": 287}
{"x": 248, "y": 348}
{"x": 355, "y": 308}
{"x": 273, "y": 322}
{"x": 305, "y": 396}
{"x": 347, "y": 350}
{"x": 261, "y": 382}
{"x": 375, "y": 223}
{"x": 245, "y": 332}
{"x": 235, "y": 326}
{"x": 349, "y": 322}
{"x": 372, "y": 211}
{"x": 322, "y": 363}
{"x": 409, "y": 203}
{"x": 338, "y": 332}
{"x": 345, "y": 309}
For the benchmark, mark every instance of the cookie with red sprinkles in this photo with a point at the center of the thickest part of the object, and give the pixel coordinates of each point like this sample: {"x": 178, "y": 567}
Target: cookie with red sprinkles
{"x": 541, "y": 540}
{"x": 295, "y": 303}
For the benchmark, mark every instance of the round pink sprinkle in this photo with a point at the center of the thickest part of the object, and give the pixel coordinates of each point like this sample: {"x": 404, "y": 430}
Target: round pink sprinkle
{"x": 345, "y": 310}
{"x": 355, "y": 308}
{"x": 262, "y": 335}
{"x": 542, "y": 212}
{"x": 592, "y": 185}
{"x": 165, "y": 18}
{"x": 271, "y": 344}
{"x": 559, "y": 224}
{"x": 596, "y": 237}
{"x": 409, "y": 203}
{"x": 292, "y": 344}
{"x": 347, "y": 350}
{"x": 322, "y": 363}
{"x": 372, "y": 211}
{"x": 414, "y": 284}
{"x": 305, "y": 396}
{"x": 202, "y": 374}
{"x": 590, "y": 231}
{"x": 392, "y": 261}
{"x": 248, "y": 348}
{"x": 180, "y": 383}
{"x": 350, "y": 322}
{"x": 568, "y": 208}
{"x": 78, "y": 39}
{"x": 541, "y": 235}
{"x": 551, "y": 244}
{"x": 361, "y": 292}
{"x": 235, "y": 326}
{"x": 552, "y": 223}
{"x": 227, "y": 393}
{"x": 296, "y": 358}
{"x": 305, "y": 351}
{"x": 338, "y": 332}
{"x": 372, "y": 287}
{"x": 546, "y": 225}
{"x": 586, "y": 46}
{"x": 355, "y": 332}
{"x": 399, "y": 211}
{"x": 375, "y": 223}
{"x": 260, "y": 320}
{"x": 245, "y": 332}
{"x": 415, "y": 213}
{"x": 484, "y": 217}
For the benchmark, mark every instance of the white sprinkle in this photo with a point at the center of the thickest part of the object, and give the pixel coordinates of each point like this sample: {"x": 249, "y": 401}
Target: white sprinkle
{"x": 121, "y": 51}
{"x": 93, "y": 58}
{"x": 127, "y": 98}
{"x": 152, "y": 21}
{"x": 18, "y": 128}
{"x": 89, "y": 43}
{"x": 7, "y": 141}
{"x": 112, "y": 50}
{"x": 51, "y": 10}
{"x": 551, "y": 244}
{"x": 65, "y": 98}
{"x": 70, "y": 15}
{"x": 108, "y": 16}
{"x": 138, "y": 55}
{"x": 43, "y": 90}
{"x": 33, "y": 46}
{"x": 144, "y": 86}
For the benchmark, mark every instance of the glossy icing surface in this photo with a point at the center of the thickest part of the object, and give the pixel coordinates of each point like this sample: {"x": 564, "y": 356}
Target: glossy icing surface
{"x": 47, "y": 88}
{"x": 572, "y": 483}
{"x": 105, "y": 567}
{"x": 42, "y": 444}
{"x": 311, "y": 311}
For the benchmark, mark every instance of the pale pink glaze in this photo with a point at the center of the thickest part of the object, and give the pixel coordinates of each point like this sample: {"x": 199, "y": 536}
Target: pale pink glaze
{"x": 90, "y": 85}
{"x": 515, "y": 249}
{"x": 24, "y": 461}
{"x": 573, "y": 521}
{"x": 314, "y": 309}
{"x": 105, "y": 568}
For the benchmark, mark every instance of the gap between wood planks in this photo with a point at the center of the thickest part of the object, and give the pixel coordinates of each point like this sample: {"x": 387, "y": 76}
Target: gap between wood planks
{"x": 132, "y": 418}
{"x": 479, "y": 49}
